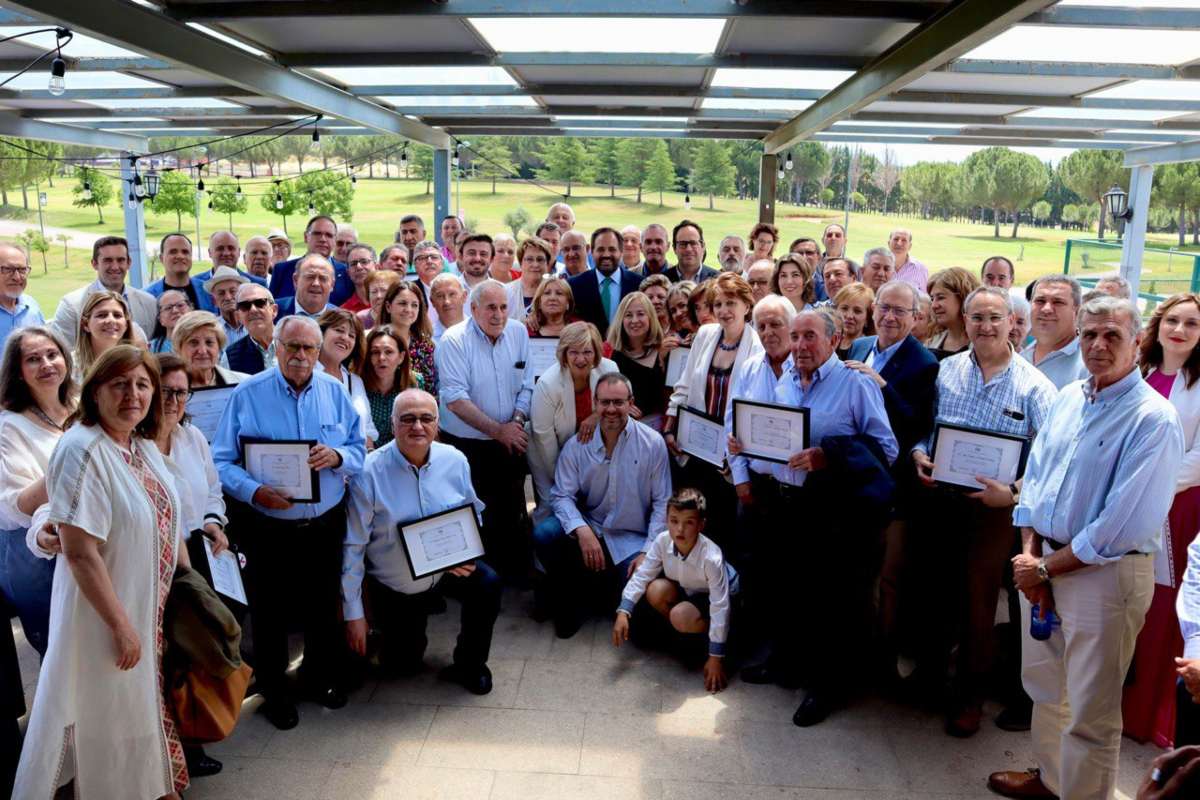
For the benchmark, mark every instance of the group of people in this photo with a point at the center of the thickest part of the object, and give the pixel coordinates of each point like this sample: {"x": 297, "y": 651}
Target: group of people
{"x": 433, "y": 377}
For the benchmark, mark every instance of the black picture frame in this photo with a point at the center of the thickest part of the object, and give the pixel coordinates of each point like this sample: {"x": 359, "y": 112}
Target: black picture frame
{"x": 801, "y": 410}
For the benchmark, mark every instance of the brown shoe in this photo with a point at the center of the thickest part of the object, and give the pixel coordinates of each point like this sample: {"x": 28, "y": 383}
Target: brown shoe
{"x": 1020, "y": 784}
{"x": 964, "y": 723}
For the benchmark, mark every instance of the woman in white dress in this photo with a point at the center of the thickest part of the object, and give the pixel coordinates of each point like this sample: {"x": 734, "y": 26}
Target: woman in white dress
{"x": 99, "y": 716}
{"x": 342, "y": 357}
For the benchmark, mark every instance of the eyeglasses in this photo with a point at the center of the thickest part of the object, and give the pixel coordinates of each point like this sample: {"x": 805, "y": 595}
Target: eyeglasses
{"x": 900, "y": 312}
{"x": 979, "y": 319}
{"x": 760, "y": 282}
{"x": 688, "y": 244}
{"x": 298, "y": 347}
{"x": 176, "y": 306}
{"x": 360, "y": 262}
{"x": 428, "y": 257}
{"x": 408, "y": 420}
{"x": 8, "y": 272}
{"x": 258, "y": 302}
{"x": 178, "y": 395}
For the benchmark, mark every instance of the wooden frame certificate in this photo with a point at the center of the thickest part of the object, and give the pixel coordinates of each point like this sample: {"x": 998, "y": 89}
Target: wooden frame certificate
{"x": 769, "y": 431}
{"x": 676, "y": 364}
{"x": 282, "y": 464}
{"x": 441, "y": 541}
{"x": 960, "y": 453}
{"x": 206, "y": 407}
{"x": 543, "y": 354}
{"x": 701, "y": 436}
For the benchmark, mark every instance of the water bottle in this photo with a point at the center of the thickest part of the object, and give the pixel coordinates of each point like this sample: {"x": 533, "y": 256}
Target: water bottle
{"x": 1040, "y": 629}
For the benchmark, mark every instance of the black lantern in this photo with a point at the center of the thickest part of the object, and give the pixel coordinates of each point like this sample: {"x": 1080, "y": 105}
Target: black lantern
{"x": 152, "y": 183}
{"x": 1118, "y": 204}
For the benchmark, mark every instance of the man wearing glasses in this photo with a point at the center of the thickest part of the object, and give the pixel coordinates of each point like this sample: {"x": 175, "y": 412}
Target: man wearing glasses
{"x": 293, "y": 550}
{"x": 406, "y": 480}
{"x": 255, "y": 351}
{"x": 17, "y": 309}
{"x": 314, "y": 279}
{"x": 688, "y": 241}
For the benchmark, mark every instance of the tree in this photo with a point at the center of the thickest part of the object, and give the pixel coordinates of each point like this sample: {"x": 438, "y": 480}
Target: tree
{"x": 35, "y": 242}
{"x": 1003, "y": 180}
{"x": 495, "y": 160}
{"x": 1091, "y": 173}
{"x": 887, "y": 176}
{"x": 607, "y": 158}
{"x": 282, "y": 199}
{"x": 660, "y": 171}
{"x": 92, "y": 188}
{"x": 634, "y": 155}
{"x": 65, "y": 240}
{"x": 1041, "y": 211}
{"x": 176, "y": 194}
{"x": 712, "y": 172}
{"x": 330, "y": 193}
{"x": 858, "y": 200}
{"x": 826, "y": 196}
{"x": 297, "y": 145}
{"x": 1176, "y": 187}
{"x": 420, "y": 161}
{"x": 516, "y": 220}
{"x": 227, "y": 198}
{"x": 567, "y": 160}
{"x": 810, "y": 165}
{"x": 932, "y": 185}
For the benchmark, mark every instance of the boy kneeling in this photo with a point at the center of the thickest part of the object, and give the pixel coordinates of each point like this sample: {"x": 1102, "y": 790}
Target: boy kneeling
{"x": 685, "y": 579}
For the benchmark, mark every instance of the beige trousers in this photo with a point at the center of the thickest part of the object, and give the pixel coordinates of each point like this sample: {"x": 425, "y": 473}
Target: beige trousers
{"x": 1075, "y": 677}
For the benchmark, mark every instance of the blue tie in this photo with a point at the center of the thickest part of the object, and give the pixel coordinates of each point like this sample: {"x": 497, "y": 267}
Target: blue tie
{"x": 606, "y": 298}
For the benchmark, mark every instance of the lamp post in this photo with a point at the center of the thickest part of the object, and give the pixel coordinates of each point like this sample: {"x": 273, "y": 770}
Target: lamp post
{"x": 1117, "y": 202}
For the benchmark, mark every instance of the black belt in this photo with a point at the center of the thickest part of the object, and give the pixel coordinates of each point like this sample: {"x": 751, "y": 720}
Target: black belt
{"x": 785, "y": 491}
{"x": 1056, "y": 545}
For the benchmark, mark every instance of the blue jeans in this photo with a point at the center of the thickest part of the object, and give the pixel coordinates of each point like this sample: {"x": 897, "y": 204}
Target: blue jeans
{"x": 573, "y": 587}
{"x": 25, "y": 582}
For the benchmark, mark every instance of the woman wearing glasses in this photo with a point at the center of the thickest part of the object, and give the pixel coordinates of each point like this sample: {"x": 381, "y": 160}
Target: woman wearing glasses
{"x": 172, "y": 305}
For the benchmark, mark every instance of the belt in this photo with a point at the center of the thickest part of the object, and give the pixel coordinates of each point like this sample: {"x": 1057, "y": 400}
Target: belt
{"x": 1056, "y": 545}
{"x": 785, "y": 491}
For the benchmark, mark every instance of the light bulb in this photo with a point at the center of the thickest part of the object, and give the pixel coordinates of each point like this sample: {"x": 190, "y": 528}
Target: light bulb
{"x": 132, "y": 200}
{"x": 316, "y": 139}
{"x": 139, "y": 188}
{"x": 354, "y": 178}
{"x": 404, "y": 156}
{"x": 687, "y": 202}
{"x": 58, "y": 72}
{"x": 278, "y": 202}
{"x": 200, "y": 185}
{"x": 87, "y": 190}
{"x": 311, "y": 208}
{"x": 788, "y": 163}
{"x": 780, "y": 174}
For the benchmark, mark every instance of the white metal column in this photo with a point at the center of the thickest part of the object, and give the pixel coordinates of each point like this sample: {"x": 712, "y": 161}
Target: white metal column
{"x": 1140, "y": 182}
{"x": 135, "y": 228}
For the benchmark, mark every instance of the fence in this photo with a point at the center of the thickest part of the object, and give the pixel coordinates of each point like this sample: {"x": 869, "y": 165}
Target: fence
{"x": 1164, "y": 272}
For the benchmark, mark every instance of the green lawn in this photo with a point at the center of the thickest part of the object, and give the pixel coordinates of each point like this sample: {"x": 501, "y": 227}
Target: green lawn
{"x": 379, "y": 204}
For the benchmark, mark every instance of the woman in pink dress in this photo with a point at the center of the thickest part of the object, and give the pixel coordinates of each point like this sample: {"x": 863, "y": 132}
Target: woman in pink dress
{"x": 1170, "y": 362}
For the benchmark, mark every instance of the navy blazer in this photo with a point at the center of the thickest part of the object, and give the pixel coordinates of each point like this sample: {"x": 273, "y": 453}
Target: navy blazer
{"x": 244, "y": 356}
{"x": 283, "y": 282}
{"x": 911, "y": 375}
{"x": 585, "y": 288}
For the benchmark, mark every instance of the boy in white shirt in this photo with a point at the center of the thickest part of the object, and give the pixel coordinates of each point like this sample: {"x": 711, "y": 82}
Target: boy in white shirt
{"x": 684, "y": 578}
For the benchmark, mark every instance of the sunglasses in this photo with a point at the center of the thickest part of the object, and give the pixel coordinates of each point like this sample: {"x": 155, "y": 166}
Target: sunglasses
{"x": 258, "y": 302}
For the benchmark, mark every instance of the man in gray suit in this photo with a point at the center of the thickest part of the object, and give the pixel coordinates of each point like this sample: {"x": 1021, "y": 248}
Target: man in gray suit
{"x": 110, "y": 259}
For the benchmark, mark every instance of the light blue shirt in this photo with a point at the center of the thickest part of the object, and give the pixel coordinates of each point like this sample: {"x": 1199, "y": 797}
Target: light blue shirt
{"x": 233, "y": 333}
{"x": 1101, "y": 473}
{"x": 25, "y": 313}
{"x": 388, "y": 493}
{"x": 840, "y": 402}
{"x": 614, "y": 289}
{"x": 623, "y": 499}
{"x": 496, "y": 376}
{"x": 1062, "y": 366}
{"x": 266, "y": 406}
{"x": 877, "y": 359}
{"x": 755, "y": 380}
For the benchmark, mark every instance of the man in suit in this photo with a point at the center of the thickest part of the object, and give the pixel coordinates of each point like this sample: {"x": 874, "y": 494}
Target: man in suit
{"x": 319, "y": 237}
{"x": 313, "y": 280}
{"x": 110, "y": 259}
{"x": 688, "y": 241}
{"x": 256, "y": 311}
{"x": 598, "y": 292}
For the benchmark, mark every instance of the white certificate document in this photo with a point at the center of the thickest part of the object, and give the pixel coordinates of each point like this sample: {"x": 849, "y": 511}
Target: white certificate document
{"x": 961, "y": 454}
{"x": 441, "y": 541}
{"x": 226, "y": 574}
{"x": 1164, "y": 559}
{"x": 283, "y": 465}
{"x": 206, "y": 407}
{"x": 543, "y": 354}
{"x": 770, "y": 431}
{"x": 676, "y": 363}
{"x": 701, "y": 436}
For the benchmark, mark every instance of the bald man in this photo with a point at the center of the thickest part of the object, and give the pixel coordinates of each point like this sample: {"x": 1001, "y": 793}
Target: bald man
{"x": 223, "y": 251}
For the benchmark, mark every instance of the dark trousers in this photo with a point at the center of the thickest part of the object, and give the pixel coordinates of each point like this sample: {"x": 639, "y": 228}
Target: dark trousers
{"x": 573, "y": 590}
{"x": 12, "y": 703}
{"x": 499, "y": 479}
{"x": 401, "y": 618}
{"x": 1187, "y": 717}
{"x": 962, "y": 549}
{"x": 295, "y": 568}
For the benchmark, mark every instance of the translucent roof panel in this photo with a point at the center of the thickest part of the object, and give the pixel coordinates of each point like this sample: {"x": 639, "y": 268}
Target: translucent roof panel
{"x": 418, "y": 76}
{"x": 605, "y": 34}
{"x": 38, "y": 77}
{"x": 450, "y": 101}
{"x": 79, "y": 47}
{"x": 1154, "y": 90}
{"x": 1098, "y": 113}
{"x": 229, "y": 40}
{"x": 152, "y": 102}
{"x": 780, "y": 78}
{"x": 569, "y": 118}
{"x": 755, "y": 105}
{"x": 1089, "y": 45}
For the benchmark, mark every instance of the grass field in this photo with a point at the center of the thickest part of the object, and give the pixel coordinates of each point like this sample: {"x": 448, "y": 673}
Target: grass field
{"x": 379, "y": 204}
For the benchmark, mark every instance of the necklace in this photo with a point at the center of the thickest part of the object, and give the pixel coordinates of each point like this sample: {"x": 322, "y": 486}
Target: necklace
{"x": 729, "y": 348}
{"x": 44, "y": 417}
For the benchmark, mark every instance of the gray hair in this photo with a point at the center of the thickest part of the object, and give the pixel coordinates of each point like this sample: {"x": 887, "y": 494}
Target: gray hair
{"x": 314, "y": 258}
{"x": 420, "y": 393}
{"x": 343, "y": 227}
{"x": 905, "y": 231}
{"x": 444, "y": 277}
{"x": 246, "y": 287}
{"x": 614, "y": 377}
{"x": 739, "y": 240}
{"x": 990, "y": 291}
{"x": 425, "y": 245}
{"x": 1020, "y": 305}
{"x": 387, "y": 251}
{"x": 826, "y": 314}
{"x": 483, "y": 286}
{"x": 361, "y": 246}
{"x": 262, "y": 239}
{"x": 16, "y": 246}
{"x": 1109, "y": 306}
{"x": 295, "y": 319}
{"x": 887, "y": 255}
{"x": 775, "y": 304}
{"x": 896, "y": 284}
{"x": 1123, "y": 287}
{"x": 1061, "y": 280}
{"x": 503, "y": 237}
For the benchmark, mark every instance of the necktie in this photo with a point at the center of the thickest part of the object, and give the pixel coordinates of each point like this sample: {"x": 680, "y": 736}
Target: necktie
{"x": 606, "y": 297}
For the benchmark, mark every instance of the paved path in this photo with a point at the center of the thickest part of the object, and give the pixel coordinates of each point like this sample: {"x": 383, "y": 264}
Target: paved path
{"x": 82, "y": 239}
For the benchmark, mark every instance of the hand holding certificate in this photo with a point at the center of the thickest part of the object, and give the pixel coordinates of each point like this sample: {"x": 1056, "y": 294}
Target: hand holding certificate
{"x": 441, "y": 541}
{"x": 226, "y": 573}
{"x": 769, "y": 431}
{"x": 962, "y": 455}
{"x": 283, "y": 465}
{"x": 543, "y": 354}
{"x": 701, "y": 436}
{"x": 676, "y": 363}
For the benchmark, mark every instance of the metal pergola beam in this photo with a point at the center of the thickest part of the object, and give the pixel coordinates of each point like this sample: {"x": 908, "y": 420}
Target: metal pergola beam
{"x": 571, "y": 59}
{"x": 168, "y": 111}
{"x": 13, "y": 125}
{"x": 832, "y": 138}
{"x": 113, "y": 64}
{"x": 1118, "y": 17}
{"x": 1067, "y": 69}
{"x": 1163, "y": 154}
{"x": 955, "y": 31}
{"x": 148, "y": 31}
{"x": 154, "y": 93}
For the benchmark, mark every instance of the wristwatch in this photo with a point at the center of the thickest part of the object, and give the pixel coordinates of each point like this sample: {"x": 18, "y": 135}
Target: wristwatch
{"x": 519, "y": 417}
{"x": 1043, "y": 573}
{"x": 1016, "y": 493}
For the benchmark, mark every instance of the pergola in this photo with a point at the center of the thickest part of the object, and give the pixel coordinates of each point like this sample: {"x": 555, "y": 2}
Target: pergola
{"x": 972, "y": 72}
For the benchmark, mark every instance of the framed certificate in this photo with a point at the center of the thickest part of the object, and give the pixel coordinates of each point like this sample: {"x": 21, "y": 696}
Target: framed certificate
{"x": 961, "y": 453}
{"x": 770, "y": 431}
{"x": 543, "y": 354}
{"x": 226, "y": 574}
{"x": 282, "y": 464}
{"x": 206, "y": 407}
{"x": 676, "y": 363}
{"x": 701, "y": 436}
{"x": 441, "y": 541}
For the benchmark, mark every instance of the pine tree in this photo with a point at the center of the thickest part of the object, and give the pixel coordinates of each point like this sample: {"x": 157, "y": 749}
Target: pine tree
{"x": 567, "y": 160}
{"x": 494, "y": 160}
{"x": 607, "y": 158}
{"x": 713, "y": 172}
{"x": 660, "y": 171}
{"x": 634, "y": 156}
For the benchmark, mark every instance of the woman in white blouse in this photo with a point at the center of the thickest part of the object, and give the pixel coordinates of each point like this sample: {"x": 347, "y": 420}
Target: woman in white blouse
{"x": 537, "y": 260}
{"x": 561, "y": 393}
{"x": 37, "y": 395}
{"x": 342, "y": 358}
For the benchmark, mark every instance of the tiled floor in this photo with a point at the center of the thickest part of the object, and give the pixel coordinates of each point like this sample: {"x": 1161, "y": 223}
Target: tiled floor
{"x": 578, "y": 719}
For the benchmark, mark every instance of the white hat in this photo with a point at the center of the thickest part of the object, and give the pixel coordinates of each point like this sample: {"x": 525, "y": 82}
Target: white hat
{"x": 222, "y": 274}
{"x": 277, "y": 234}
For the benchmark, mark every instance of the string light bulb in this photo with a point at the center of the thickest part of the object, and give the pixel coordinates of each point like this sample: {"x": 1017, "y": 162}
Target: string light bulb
{"x": 787, "y": 164}
{"x": 312, "y": 209}
{"x": 237, "y": 195}
{"x": 87, "y": 187}
{"x": 139, "y": 188}
{"x": 687, "y": 200}
{"x": 58, "y": 74}
{"x": 316, "y": 139}
{"x": 133, "y": 203}
{"x": 278, "y": 198}
{"x": 780, "y": 173}
{"x": 404, "y": 157}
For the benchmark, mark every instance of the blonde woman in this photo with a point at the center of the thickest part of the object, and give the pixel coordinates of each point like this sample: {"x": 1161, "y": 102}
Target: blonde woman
{"x": 199, "y": 339}
{"x": 636, "y": 341}
{"x": 552, "y": 309}
{"x": 855, "y": 304}
{"x": 536, "y": 260}
{"x": 104, "y": 322}
{"x": 948, "y": 290}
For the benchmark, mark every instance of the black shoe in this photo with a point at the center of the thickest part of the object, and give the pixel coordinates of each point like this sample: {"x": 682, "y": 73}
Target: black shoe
{"x": 281, "y": 713}
{"x": 567, "y": 625}
{"x": 203, "y": 765}
{"x": 476, "y": 680}
{"x": 764, "y": 673}
{"x": 1015, "y": 718}
{"x": 815, "y": 708}
{"x": 331, "y": 697}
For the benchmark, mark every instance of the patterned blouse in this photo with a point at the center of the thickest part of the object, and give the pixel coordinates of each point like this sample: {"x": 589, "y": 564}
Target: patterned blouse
{"x": 420, "y": 353}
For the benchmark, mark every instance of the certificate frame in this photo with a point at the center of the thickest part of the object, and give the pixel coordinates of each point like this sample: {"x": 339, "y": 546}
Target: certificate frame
{"x": 1009, "y": 451}
{"x": 420, "y": 562}
{"x": 307, "y": 485}
{"x": 693, "y": 425}
{"x": 676, "y": 363}
{"x": 201, "y": 413}
{"x": 538, "y": 357}
{"x": 744, "y": 410}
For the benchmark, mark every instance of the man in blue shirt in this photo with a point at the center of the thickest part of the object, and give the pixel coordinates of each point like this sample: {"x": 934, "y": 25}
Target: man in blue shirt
{"x": 610, "y": 500}
{"x": 224, "y": 250}
{"x": 319, "y": 237}
{"x": 406, "y": 480}
{"x": 17, "y": 309}
{"x": 175, "y": 252}
{"x": 313, "y": 281}
{"x": 293, "y": 549}
{"x": 1098, "y": 486}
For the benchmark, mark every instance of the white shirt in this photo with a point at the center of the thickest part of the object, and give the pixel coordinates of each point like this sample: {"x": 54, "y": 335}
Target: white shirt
{"x": 25, "y": 449}
{"x": 190, "y": 463}
{"x": 358, "y": 398}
